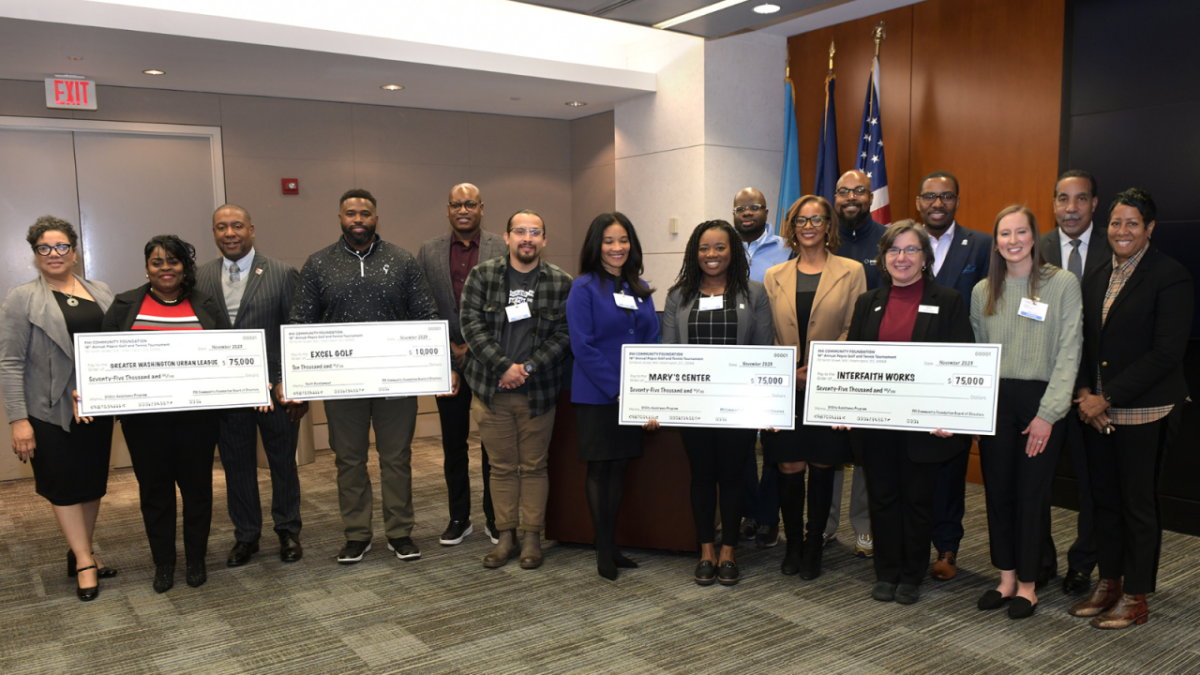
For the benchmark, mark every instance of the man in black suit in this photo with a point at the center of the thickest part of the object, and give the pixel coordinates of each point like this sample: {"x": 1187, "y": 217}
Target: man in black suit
{"x": 446, "y": 261}
{"x": 1079, "y": 246}
{"x": 961, "y": 259}
{"x": 256, "y": 292}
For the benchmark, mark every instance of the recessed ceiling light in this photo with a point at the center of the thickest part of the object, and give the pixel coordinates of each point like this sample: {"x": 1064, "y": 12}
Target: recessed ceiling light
{"x": 697, "y": 13}
{"x": 392, "y": 87}
{"x": 767, "y": 8}
{"x": 576, "y": 104}
{"x": 152, "y": 71}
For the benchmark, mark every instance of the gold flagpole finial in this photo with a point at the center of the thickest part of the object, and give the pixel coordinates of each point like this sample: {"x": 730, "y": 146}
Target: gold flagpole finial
{"x": 879, "y": 33}
{"x": 787, "y": 66}
{"x": 831, "y": 52}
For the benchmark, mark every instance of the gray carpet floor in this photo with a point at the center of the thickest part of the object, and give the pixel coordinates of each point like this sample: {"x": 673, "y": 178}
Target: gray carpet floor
{"x": 447, "y": 614}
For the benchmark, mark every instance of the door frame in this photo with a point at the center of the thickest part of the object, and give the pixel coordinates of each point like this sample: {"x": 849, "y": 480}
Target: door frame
{"x": 212, "y": 134}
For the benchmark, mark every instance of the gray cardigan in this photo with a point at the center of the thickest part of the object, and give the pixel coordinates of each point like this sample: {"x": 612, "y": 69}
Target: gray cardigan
{"x": 753, "y": 316}
{"x": 37, "y": 357}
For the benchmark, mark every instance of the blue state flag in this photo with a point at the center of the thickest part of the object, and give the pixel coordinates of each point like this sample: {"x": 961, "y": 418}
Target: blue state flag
{"x": 789, "y": 181}
{"x": 827, "y": 152}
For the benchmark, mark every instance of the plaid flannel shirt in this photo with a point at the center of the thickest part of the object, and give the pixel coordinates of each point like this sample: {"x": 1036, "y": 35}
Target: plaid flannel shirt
{"x": 482, "y": 315}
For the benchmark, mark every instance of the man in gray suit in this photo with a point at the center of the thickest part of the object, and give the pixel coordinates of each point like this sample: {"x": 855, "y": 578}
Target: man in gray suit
{"x": 446, "y": 261}
{"x": 256, "y": 291}
{"x": 1078, "y": 246}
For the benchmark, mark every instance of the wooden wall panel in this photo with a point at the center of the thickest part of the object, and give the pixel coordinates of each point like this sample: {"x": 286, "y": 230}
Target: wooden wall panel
{"x": 973, "y": 87}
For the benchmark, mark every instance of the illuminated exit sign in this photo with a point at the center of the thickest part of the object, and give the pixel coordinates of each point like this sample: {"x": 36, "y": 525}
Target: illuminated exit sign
{"x": 71, "y": 93}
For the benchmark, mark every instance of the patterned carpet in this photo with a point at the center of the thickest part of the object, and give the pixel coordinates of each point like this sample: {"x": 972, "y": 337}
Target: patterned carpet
{"x": 447, "y": 614}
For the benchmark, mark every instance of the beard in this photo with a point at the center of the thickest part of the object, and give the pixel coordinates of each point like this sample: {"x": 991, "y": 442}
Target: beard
{"x": 356, "y": 239}
{"x": 854, "y": 222}
{"x": 527, "y": 258}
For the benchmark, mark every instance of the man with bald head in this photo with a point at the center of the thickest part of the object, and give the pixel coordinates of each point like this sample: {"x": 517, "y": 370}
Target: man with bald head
{"x": 256, "y": 291}
{"x": 860, "y": 236}
{"x": 446, "y": 261}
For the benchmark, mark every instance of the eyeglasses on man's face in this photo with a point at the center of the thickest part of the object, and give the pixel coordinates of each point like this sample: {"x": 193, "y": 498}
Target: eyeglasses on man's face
{"x": 946, "y": 197}
{"x": 522, "y": 231}
{"x": 752, "y": 208}
{"x": 469, "y": 205}
{"x": 859, "y": 191}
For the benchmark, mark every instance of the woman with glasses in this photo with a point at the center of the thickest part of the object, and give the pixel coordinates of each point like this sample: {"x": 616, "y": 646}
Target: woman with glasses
{"x": 902, "y": 467}
{"x": 609, "y": 306}
{"x": 714, "y": 302}
{"x": 169, "y": 448}
{"x": 1034, "y": 311}
{"x": 812, "y": 298}
{"x": 38, "y": 323}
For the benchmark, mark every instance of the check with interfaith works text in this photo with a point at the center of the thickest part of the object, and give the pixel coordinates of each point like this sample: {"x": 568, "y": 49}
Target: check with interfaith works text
{"x": 365, "y": 360}
{"x": 910, "y": 386}
{"x": 733, "y": 386}
{"x": 157, "y": 371}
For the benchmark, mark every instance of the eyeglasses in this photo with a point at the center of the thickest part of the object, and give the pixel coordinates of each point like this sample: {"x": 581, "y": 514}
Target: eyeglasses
{"x": 813, "y": 221}
{"x": 469, "y": 205}
{"x": 859, "y": 191}
{"x": 908, "y": 250}
{"x": 752, "y": 208}
{"x": 522, "y": 231}
{"x": 946, "y": 197}
{"x": 44, "y": 249}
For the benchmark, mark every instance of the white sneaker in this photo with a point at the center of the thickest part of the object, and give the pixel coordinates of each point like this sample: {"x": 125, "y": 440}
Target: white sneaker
{"x": 864, "y": 547}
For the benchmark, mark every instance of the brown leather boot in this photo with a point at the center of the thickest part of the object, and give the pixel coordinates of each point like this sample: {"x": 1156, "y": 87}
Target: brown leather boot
{"x": 504, "y": 551}
{"x": 1106, "y": 594}
{"x": 531, "y": 550}
{"x": 1130, "y": 609}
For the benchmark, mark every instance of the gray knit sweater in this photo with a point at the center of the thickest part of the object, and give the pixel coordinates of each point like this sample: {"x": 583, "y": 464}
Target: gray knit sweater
{"x": 1036, "y": 350}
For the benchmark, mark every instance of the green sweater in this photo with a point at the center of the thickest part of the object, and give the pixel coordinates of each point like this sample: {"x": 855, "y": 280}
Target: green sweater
{"x": 1047, "y": 350}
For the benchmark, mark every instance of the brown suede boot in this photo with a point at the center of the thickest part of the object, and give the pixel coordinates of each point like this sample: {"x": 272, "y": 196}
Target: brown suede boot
{"x": 1129, "y": 610}
{"x": 1106, "y": 594}
{"x": 531, "y": 550}
{"x": 504, "y": 551}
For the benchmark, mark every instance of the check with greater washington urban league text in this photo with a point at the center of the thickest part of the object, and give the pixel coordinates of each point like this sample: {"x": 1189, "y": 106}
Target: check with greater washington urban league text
{"x": 387, "y": 359}
{"x": 910, "y": 386}
{"x": 734, "y": 386}
{"x": 157, "y": 371}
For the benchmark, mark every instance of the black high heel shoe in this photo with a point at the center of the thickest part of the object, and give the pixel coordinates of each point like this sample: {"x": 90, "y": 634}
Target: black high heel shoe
{"x": 88, "y": 594}
{"x": 101, "y": 572}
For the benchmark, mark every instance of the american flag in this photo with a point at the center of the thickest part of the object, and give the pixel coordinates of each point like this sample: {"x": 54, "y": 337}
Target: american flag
{"x": 870, "y": 150}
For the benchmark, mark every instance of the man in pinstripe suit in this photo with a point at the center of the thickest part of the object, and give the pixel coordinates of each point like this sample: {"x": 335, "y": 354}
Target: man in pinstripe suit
{"x": 256, "y": 291}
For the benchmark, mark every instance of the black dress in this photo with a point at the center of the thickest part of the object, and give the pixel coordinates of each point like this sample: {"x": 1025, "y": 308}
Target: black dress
{"x": 817, "y": 444}
{"x": 72, "y": 468}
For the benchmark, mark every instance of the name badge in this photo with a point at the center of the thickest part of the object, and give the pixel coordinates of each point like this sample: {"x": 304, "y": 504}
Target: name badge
{"x": 517, "y": 312}
{"x": 927, "y": 309}
{"x": 710, "y": 303}
{"x": 1032, "y": 309}
{"x": 625, "y": 301}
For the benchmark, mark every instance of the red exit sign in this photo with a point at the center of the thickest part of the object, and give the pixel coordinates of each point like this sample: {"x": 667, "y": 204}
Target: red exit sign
{"x": 73, "y": 93}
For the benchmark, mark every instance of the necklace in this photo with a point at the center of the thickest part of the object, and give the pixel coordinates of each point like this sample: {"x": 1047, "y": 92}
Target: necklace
{"x": 71, "y": 301}
{"x": 164, "y": 300}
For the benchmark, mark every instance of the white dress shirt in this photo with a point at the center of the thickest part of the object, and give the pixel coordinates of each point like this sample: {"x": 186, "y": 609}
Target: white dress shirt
{"x": 1064, "y": 243}
{"x": 941, "y": 246}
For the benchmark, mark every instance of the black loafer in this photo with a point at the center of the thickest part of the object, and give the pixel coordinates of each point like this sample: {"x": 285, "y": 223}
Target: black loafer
{"x": 727, "y": 573}
{"x": 706, "y": 573}
{"x": 164, "y": 578}
{"x": 197, "y": 574}
{"x": 884, "y": 591}
{"x": 1045, "y": 574}
{"x": 241, "y": 553}
{"x": 993, "y": 600}
{"x": 290, "y": 549}
{"x": 907, "y": 594}
{"x": 1022, "y": 608}
{"x": 1076, "y": 583}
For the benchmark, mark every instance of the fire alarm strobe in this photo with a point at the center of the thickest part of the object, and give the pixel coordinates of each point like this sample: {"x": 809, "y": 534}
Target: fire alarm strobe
{"x": 291, "y": 186}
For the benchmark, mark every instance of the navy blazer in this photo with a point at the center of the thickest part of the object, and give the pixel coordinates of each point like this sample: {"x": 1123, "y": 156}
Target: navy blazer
{"x": 966, "y": 262}
{"x": 951, "y": 323}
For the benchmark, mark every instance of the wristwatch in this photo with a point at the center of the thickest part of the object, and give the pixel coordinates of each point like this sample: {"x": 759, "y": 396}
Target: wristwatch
{"x": 530, "y": 368}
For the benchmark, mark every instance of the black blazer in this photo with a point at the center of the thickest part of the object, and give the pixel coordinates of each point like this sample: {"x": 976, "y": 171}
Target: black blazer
{"x": 952, "y": 323}
{"x": 123, "y": 311}
{"x": 1139, "y": 350}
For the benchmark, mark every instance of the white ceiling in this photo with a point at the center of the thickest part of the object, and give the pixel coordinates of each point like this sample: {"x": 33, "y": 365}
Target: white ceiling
{"x": 490, "y": 56}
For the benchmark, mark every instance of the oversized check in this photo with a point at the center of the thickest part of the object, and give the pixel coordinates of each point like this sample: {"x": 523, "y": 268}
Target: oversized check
{"x": 155, "y": 371}
{"x": 365, "y": 360}
{"x": 741, "y": 387}
{"x": 904, "y": 385}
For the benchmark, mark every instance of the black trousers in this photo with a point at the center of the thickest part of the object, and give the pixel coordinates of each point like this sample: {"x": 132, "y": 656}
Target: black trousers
{"x": 950, "y": 503}
{"x": 238, "y": 445}
{"x": 901, "y": 503}
{"x": 717, "y": 458}
{"x": 454, "y": 413}
{"x": 1125, "y": 469}
{"x": 1081, "y": 557}
{"x": 170, "y": 449}
{"x": 1017, "y": 487}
